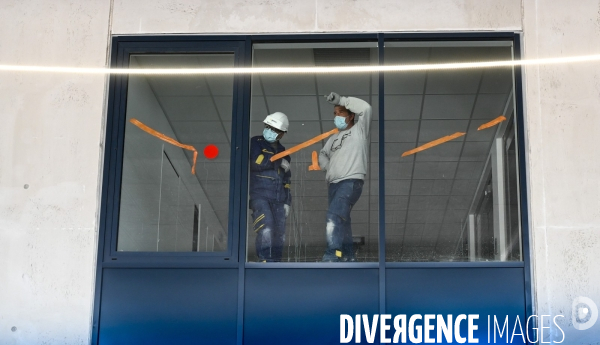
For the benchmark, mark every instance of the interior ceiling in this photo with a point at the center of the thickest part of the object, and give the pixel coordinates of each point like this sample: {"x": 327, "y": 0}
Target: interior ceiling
{"x": 427, "y": 194}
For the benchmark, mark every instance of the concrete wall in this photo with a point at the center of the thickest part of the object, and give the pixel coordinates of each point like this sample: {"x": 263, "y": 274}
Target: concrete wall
{"x": 563, "y": 126}
{"x": 50, "y": 158}
{"x": 52, "y": 132}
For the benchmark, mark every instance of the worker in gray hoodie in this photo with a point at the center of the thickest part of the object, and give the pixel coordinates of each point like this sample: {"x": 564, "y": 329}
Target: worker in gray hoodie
{"x": 345, "y": 158}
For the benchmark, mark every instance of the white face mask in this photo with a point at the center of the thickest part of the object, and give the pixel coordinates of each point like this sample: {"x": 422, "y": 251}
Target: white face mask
{"x": 340, "y": 122}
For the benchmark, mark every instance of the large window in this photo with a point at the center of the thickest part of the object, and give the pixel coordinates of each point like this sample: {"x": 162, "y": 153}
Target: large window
{"x": 456, "y": 200}
{"x": 164, "y": 206}
{"x": 450, "y": 162}
{"x": 316, "y": 216}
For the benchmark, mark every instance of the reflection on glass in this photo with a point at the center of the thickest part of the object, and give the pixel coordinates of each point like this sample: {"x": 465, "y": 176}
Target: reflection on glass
{"x": 456, "y": 201}
{"x": 164, "y": 207}
{"x": 349, "y": 212}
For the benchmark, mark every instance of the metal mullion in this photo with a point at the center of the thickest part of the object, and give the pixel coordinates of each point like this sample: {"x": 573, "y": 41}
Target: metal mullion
{"x": 105, "y": 196}
{"x": 117, "y": 143}
{"x": 243, "y": 134}
{"x": 382, "y": 280}
{"x": 522, "y": 175}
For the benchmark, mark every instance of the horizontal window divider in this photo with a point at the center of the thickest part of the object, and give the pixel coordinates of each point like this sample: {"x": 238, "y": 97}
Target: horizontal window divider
{"x": 481, "y": 264}
{"x": 311, "y": 265}
{"x": 171, "y": 264}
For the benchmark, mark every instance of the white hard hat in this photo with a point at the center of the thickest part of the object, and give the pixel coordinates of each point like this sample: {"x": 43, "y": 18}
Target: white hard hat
{"x": 277, "y": 120}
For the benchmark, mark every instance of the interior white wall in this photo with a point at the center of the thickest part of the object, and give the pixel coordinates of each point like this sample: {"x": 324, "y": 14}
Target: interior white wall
{"x": 51, "y": 135}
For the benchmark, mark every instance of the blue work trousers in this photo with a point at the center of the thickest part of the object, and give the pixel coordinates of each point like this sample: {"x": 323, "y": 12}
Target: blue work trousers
{"x": 269, "y": 224}
{"x": 342, "y": 197}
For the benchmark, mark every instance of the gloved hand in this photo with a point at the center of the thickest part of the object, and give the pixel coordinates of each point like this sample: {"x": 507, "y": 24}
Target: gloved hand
{"x": 286, "y": 207}
{"x": 285, "y": 165}
{"x": 333, "y": 98}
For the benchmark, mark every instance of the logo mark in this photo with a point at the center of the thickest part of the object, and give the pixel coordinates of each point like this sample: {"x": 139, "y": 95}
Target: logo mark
{"x": 584, "y": 313}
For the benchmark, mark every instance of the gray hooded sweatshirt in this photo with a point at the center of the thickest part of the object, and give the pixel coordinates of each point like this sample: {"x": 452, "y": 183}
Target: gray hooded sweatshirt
{"x": 345, "y": 155}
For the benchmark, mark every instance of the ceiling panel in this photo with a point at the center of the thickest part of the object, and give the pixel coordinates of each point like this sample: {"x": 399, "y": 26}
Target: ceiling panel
{"x": 434, "y": 170}
{"x": 464, "y": 187}
{"x": 395, "y": 217}
{"x": 297, "y": 108}
{"x": 441, "y": 187}
{"x": 460, "y": 81}
{"x": 424, "y": 216}
{"x": 288, "y": 84}
{"x": 460, "y": 201}
{"x": 403, "y": 107}
{"x": 282, "y": 84}
{"x": 497, "y": 80}
{"x": 449, "y": 151}
{"x": 469, "y": 170}
{"x": 431, "y": 229}
{"x": 220, "y": 85}
{"x": 475, "y": 151}
{"x": 398, "y": 131}
{"x": 448, "y": 106}
{"x": 435, "y": 129}
{"x": 224, "y": 106}
{"x": 424, "y": 202}
{"x": 256, "y": 89}
{"x": 301, "y": 131}
{"x": 189, "y": 108}
{"x": 454, "y": 216}
{"x": 405, "y": 82}
{"x": 200, "y": 131}
{"x": 395, "y": 171}
{"x": 484, "y": 135}
{"x": 345, "y": 84}
{"x": 422, "y": 187}
{"x": 397, "y": 187}
{"x": 489, "y": 106}
{"x": 214, "y": 60}
{"x": 258, "y": 108}
{"x": 412, "y": 241}
{"x": 181, "y": 85}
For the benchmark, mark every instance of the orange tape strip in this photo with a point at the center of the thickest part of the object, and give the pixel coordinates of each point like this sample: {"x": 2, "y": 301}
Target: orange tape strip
{"x": 315, "y": 162}
{"x": 492, "y": 123}
{"x": 304, "y": 144}
{"x": 433, "y": 143}
{"x": 167, "y": 139}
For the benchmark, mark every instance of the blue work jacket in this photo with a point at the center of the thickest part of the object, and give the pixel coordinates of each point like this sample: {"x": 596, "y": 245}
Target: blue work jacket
{"x": 267, "y": 179}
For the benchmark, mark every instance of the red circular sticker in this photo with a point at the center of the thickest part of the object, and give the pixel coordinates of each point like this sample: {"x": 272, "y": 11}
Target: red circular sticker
{"x": 211, "y": 151}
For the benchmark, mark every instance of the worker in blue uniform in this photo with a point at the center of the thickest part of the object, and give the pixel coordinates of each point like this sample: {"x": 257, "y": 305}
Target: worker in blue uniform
{"x": 270, "y": 195}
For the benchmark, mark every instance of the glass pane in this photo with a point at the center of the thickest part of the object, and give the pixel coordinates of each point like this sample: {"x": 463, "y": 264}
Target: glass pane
{"x": 458, "y": 199}
{"x": 164, "y": 207}
{"x": 350, "y": 215}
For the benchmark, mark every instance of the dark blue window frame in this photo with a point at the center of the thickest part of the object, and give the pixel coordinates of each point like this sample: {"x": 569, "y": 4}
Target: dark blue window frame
{"x": 235, "y": 256}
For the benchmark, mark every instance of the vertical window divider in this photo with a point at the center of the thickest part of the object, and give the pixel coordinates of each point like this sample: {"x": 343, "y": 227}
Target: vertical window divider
{"x": 380, "y": 55}
{"x": 521, "y": 140}
{"x": 242, "y": 245}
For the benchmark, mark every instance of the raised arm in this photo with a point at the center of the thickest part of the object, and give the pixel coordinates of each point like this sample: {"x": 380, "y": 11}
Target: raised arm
{"x": 362, "y": 110}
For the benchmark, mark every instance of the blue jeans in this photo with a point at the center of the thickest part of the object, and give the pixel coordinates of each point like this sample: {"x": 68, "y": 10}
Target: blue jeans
{"x": 269, "y": 224}
{"x": 342, "y": 196}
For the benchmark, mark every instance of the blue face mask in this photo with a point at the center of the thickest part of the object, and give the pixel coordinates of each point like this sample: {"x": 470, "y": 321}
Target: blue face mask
{"x": 269, "y": 135}
{"x": 340, "y": 122}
